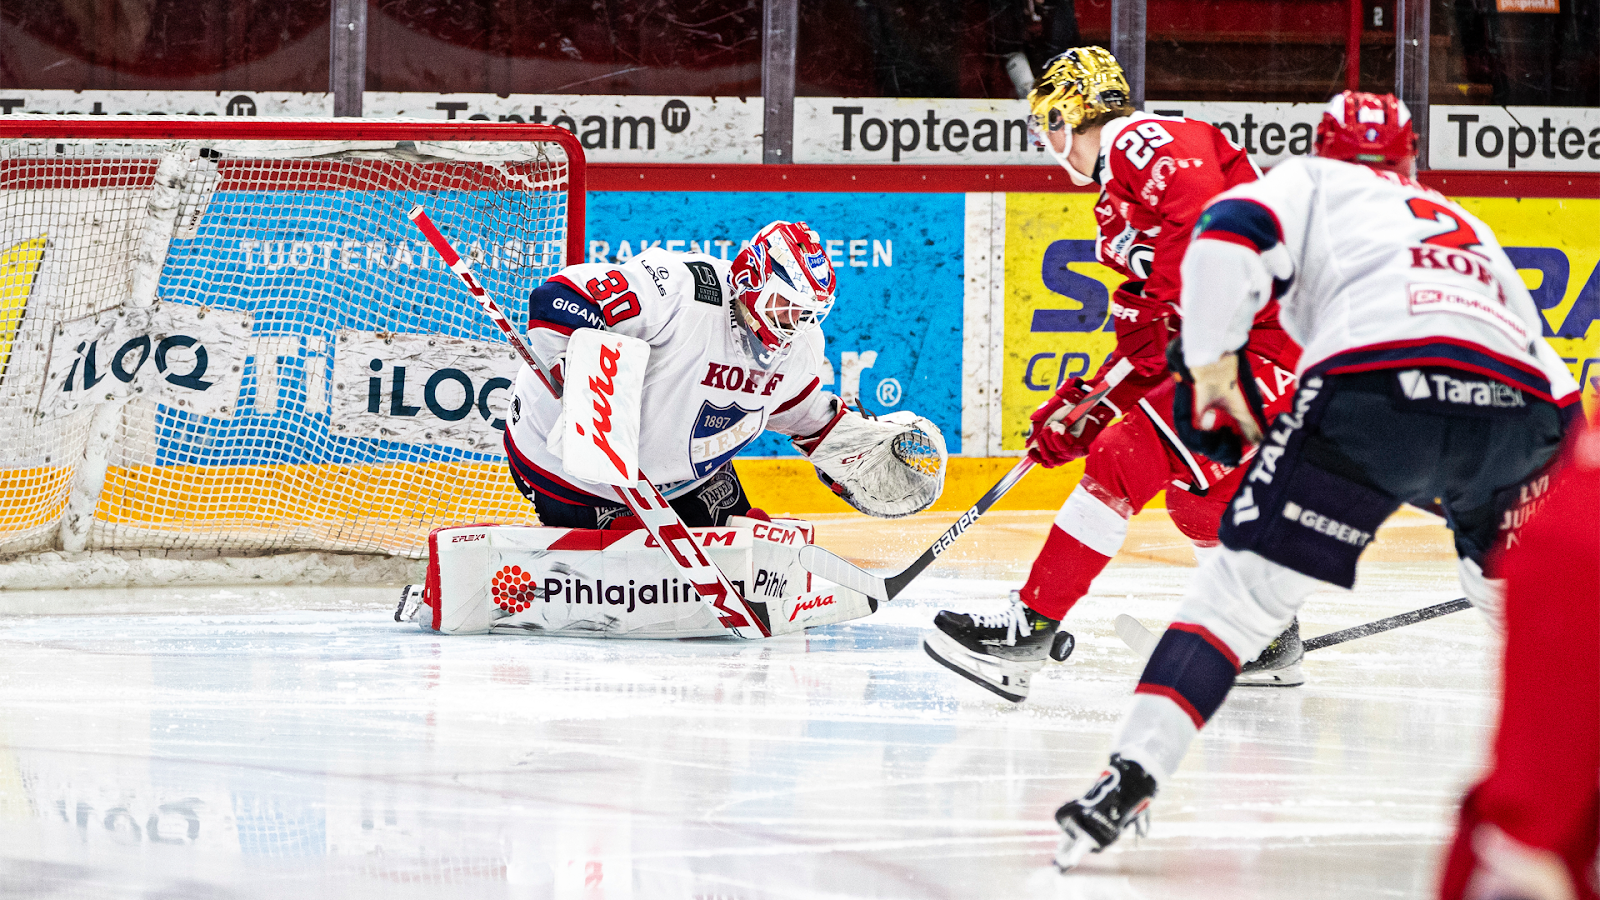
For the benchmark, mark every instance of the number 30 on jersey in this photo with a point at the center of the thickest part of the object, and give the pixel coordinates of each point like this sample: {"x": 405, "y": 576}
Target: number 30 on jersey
{"x": 626, "y": 304}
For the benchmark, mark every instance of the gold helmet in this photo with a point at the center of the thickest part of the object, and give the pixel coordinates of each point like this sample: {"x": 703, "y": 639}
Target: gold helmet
{"x": 1082, "y": 83}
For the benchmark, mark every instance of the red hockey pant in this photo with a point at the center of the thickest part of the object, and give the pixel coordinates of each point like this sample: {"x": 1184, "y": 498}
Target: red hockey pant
{"x": 1128, "y": 464}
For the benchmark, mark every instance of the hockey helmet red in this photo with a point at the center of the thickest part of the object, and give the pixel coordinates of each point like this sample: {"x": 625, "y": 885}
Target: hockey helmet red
{"x": 784, "y": 282}
{"x": 1370, "y": 129}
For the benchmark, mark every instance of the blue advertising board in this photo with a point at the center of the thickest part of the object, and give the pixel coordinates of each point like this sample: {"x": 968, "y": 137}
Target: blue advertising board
{"x": 327, "y": 276}
{"x": 895, "y": 332}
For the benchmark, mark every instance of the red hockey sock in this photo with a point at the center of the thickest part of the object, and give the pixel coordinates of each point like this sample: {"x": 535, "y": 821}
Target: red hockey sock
{"x": 1061, "y": 575}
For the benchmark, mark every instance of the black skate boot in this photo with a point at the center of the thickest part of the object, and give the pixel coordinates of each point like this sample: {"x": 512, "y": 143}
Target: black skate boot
{"x": 1119, "y": 800}
{"x": 1279, "y": 664}
{"x": 997, "y": 652}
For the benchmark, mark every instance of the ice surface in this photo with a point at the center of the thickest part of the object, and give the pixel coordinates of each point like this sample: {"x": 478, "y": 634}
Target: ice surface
{"x": 287, "y": 742}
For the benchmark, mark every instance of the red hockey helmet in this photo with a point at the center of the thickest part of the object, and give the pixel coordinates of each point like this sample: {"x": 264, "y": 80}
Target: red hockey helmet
{"x": 1370, "y": 129}
{"x": 784, "y": 282}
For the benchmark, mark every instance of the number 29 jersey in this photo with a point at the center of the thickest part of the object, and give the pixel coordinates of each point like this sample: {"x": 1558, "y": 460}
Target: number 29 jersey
{"x": 1157, "y": 173}
{"x": 707, "y": 390}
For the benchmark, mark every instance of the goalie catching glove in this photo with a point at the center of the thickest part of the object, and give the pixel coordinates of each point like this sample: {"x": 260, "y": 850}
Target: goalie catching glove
{"x": 888, "y": 467}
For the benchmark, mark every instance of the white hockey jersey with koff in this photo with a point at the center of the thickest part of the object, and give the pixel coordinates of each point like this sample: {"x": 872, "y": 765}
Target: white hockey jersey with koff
{"x": 707, "y": 392}
{"x": 1373, "y": 271}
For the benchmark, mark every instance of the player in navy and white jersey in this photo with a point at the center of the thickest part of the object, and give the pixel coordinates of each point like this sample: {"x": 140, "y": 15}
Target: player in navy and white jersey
{"x": 1424, "y": 374}
{"x": 736, "y": 348}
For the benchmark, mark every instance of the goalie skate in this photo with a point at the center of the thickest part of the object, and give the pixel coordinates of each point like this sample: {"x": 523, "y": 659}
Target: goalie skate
{"x": 410, "y": 602}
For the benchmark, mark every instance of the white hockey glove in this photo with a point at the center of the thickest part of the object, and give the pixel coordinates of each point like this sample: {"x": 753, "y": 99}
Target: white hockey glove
{"x": 1219, "y": 402}
{"x": 888, "y": 467}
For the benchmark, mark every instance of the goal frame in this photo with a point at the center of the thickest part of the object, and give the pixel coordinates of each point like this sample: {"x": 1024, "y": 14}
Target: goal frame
{"x": 203, "y": 128}
{"x": 118, "y": 567}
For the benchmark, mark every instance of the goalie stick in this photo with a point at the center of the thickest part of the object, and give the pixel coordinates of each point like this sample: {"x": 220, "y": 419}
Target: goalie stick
{"x": 1142, "y": 641}
{"x": 837, "y": 569}
{"x": 652, "y": 509}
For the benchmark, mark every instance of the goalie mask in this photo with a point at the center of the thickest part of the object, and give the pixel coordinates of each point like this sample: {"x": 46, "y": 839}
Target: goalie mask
{"x": 1084, "y": 84}
{"x": 1369, "y": 129}
{"x": 783, "y": 283}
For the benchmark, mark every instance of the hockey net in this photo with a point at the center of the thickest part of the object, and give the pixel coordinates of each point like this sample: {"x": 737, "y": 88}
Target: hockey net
{"x": 223, "y": 338}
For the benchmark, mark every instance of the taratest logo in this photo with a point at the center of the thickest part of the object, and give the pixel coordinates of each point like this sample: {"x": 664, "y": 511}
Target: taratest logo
{"x": 1486, "y": 393}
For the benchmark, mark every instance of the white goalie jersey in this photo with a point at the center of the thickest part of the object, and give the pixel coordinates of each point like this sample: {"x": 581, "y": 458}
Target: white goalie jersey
{"x": 707, "y": 390}
{"x": 1373, "y": 271}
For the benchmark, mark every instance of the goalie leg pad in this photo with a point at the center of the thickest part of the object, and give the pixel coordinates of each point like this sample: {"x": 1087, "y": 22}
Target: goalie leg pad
{"x": 513, "y": 579}
{"x": 797, "y": 600}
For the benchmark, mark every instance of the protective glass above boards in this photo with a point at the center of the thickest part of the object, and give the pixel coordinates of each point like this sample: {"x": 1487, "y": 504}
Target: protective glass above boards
{"x": 694, "y": 48}
{"x": 163, "y": 45}
{"x": 1480, "y": 52}
{"x": 1501, "y": 52}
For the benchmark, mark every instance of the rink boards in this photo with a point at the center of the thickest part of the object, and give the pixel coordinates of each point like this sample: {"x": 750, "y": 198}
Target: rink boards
{"x": 968, "y": 308}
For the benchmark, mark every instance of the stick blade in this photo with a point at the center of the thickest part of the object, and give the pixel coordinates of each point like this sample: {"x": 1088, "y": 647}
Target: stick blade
{"x": 842, "y": 572}
{"x": 1136, "y": 636}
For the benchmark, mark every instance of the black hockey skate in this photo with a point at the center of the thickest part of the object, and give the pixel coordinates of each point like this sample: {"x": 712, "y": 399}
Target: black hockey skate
{"x": 1279, "y": 664}
{"x": 998, "y": 652}
{"x": 1119, "y": 800}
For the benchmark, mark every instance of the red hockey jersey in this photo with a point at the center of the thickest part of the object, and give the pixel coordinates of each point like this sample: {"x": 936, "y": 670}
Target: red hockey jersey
{"x": 1157, "y": 173}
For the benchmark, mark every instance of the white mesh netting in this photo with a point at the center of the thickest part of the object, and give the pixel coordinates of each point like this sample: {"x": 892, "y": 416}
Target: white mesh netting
{"x": 225, "y": 347}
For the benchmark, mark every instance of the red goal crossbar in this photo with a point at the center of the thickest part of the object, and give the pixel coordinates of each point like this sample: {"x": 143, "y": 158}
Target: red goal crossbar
{"x": 339, "y": 129}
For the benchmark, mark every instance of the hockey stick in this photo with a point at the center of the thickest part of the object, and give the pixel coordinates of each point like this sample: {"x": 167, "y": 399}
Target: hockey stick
{"x": 840, "y": 571}
{"x": 837, "y": 569}
{"x": 1143, "y": 642}
{"x": 652, "y": 509}
{"x": 1382, "y": 625}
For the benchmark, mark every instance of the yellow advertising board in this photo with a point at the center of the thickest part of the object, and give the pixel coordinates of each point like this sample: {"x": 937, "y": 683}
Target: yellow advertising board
{"x": 1057, "y": 297}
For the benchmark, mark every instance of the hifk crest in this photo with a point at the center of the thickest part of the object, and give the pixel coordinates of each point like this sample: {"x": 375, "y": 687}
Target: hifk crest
{"x": 821, "y": 270}
{"x": 720, "y": 432}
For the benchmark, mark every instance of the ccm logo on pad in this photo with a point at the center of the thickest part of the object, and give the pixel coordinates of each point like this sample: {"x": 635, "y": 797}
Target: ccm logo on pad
{"x": 462, "y": 538}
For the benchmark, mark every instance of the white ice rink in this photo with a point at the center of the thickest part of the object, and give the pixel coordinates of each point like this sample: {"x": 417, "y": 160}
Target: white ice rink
{"x": 288, "y": 743}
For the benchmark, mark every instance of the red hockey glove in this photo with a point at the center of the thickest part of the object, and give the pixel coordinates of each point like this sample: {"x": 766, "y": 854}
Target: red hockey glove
{"x": 1052, "y": 440}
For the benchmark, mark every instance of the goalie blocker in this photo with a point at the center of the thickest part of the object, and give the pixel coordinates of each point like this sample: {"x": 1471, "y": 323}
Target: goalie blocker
{"x": 507, "y": 579}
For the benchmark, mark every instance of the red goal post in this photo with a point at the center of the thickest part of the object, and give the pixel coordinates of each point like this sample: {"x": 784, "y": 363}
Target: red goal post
{"x": 222, "y": 337}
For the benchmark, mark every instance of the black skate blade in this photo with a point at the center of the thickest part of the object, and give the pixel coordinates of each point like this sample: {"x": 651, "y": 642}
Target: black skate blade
{"x": 989, "y": 686}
